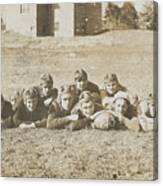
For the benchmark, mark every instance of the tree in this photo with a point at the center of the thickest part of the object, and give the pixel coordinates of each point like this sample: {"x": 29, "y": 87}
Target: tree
{"x": 129, "y": 16}
{"x": 112, "y": 14}
{"x": 148, "y": 17}
{"x": 125, "y": 17}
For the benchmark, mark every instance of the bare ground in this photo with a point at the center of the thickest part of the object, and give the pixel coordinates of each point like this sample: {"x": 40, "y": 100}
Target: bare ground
{"x": 87, "y": 153}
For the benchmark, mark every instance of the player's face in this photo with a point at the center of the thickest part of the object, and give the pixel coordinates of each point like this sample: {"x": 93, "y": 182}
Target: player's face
{"x": 67, "y": 101}
{"x": 111, "y": 87}
{"x": 46, "y": 88}
{"x": 121, "y": 106}
{"x": 81, "y": 84}
{"x": 31, "y": 104}
{"x": 88, "y": 108}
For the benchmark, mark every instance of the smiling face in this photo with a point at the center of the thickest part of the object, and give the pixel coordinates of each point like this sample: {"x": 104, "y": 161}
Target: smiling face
{"x": 111, "y": 87}
{"x": 31, "y": 104}
{"x": 67, "y": 101}
{"x": 121, "y": 106}
{"x": 88, "y": 108}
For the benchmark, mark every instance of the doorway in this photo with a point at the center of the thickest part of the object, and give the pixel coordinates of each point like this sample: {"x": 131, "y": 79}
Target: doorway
{"x": 45, "y": 20}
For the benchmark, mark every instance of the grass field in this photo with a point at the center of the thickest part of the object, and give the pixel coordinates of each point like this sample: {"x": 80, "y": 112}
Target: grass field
{"x": 127, "y": 53}
{"x": 85, "y": 153}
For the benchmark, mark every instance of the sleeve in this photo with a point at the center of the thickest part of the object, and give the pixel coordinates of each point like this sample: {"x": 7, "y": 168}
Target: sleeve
{"x": 17, "y": 120}
{"x": 7, "y": 110}
{"x": 7, "y": 123}
{"x": 80, "y": 124}
{"x": 76, "y": 108}
{"x": 6, "y": 116}
{"x": 55, "y": 93}
{"x": 10, "y": 111}
{"x": 43, "y": 121}
{"x": 54, "y": 121}
{"x": 95, "y": 88}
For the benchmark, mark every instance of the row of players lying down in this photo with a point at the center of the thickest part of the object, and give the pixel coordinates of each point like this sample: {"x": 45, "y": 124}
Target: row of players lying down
{"x": 77, "y": 106}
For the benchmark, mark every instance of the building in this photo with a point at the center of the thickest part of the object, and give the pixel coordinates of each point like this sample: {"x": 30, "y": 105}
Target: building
{"x": 59, "y": 20}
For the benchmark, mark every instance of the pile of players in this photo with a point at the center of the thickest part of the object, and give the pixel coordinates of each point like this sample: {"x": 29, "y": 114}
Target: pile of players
{"x": 78, "y": 106}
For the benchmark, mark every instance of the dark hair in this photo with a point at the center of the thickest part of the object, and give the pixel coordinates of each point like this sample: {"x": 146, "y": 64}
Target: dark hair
{"x": 110, "y": 78}
{"x": 47, "y": 78}
{"x": 80, "y": 75}
{"x": 67, "y": 89}
{"x": 85, "y": 97}
{"x": 31, "y": 93}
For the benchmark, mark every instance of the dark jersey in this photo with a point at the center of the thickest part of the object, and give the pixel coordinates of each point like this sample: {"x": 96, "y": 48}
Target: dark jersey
{"x": 6, "y": 115}
{"x": 94, "y": 90}
{"x": 6, "y": 110}
{"x": 57, "y": 117}
{"x": 23, "y": 115}
{"x": 91, "y": 87}
{"x": 48, "y": 100}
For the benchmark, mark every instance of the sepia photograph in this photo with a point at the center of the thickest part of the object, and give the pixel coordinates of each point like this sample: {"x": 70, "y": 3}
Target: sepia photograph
{"x": 79, "y": 90}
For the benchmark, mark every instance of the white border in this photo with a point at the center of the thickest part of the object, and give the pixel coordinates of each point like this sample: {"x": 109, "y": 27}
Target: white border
{"x": 34, "y": 181}
{"x": 52, "y": 1}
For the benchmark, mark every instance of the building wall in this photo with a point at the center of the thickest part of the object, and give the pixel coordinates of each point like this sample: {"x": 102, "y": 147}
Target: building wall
{"x": 20, "y": 18}
{"x": 64, "y": 20}
{"x": 59, "y": 20}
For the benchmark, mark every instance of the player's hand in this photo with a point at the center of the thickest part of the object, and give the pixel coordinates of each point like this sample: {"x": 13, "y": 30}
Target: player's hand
{"x": 48, "y": 101}
{"x": 23, "y": 125}
{"x": 73, "y": 117}
{"x": 32, "y": 125}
